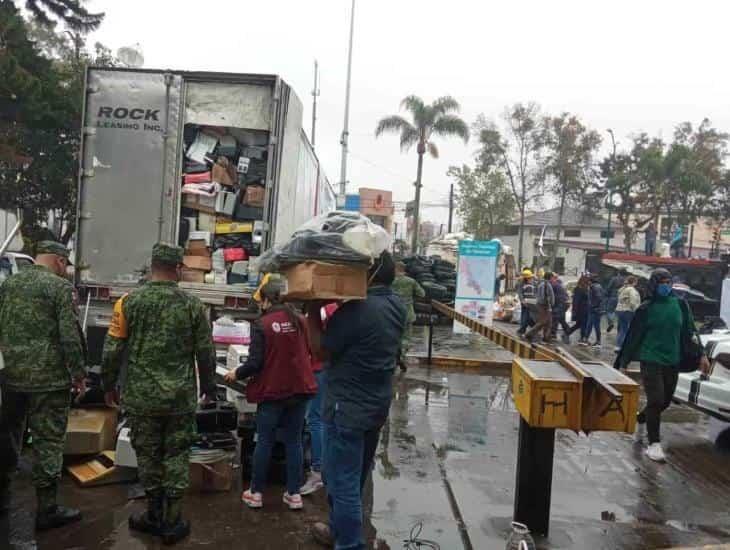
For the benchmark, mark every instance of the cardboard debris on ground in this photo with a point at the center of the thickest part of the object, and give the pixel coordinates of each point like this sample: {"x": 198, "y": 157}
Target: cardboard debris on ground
{"x": 101, "y": 470}
{"x": 323, "y": 281}
{"x": 212, "y": 477}
{"x": 90, "y": 431}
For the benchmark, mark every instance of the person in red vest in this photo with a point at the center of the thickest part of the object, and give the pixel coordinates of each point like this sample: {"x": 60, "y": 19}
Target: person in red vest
{"x": 279, "y": 362}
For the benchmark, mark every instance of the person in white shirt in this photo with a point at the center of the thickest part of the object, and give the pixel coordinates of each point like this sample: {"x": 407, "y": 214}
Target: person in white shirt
{"x": 628, "y": 302}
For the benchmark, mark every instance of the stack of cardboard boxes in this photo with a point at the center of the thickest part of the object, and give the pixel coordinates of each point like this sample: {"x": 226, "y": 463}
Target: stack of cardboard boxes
{"x": 223, "y": 197}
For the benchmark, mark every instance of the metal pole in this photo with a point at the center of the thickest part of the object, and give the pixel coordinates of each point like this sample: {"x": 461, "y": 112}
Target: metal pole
{"x": 430, "y": 337}
{"x": 451, "y": 206}
{"x": 533, "y": 490}
{"x": 346, "y": 129}
{"x": 608, "y": 230}
{"x": 315, "y": 95}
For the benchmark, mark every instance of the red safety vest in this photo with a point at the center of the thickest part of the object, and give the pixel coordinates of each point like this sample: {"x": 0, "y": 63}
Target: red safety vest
{"x": 287, "y": 364}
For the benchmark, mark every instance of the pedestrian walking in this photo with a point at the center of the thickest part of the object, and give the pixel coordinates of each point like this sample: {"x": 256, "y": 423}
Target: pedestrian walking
{"x": 559, "y": 310}
{"x": 676, "y": 245}
{"x": 545, "y": 300}
{"x": 526, "y": 292}
{"x": 650, "y": 240}
{"x": 596, "y": 297}
{"x": 658, "y": 338}
{"x": 315, "y": 426}
{"x": 614, "y": 285}
{"x": 282, "y": 384}
{"x": 628, "y": 302}
{"x": 361, "y": 341}
{"x": 580, "y": 309}
{"x": 42, "y": 349}
{"x": 407, "y": 290}
{"x": 164, "y": 332}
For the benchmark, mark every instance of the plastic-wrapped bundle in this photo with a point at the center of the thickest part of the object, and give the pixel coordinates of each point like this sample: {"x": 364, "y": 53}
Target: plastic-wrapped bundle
{"x": 335, "y": 237}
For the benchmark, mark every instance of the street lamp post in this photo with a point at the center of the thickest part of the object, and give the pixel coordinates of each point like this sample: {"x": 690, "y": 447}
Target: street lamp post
{"x": 609, "y": 197}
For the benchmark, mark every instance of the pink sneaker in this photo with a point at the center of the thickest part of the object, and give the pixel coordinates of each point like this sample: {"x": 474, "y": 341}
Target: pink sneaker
{"x": 294, "y": 502}
{"x": 252, "y": 500}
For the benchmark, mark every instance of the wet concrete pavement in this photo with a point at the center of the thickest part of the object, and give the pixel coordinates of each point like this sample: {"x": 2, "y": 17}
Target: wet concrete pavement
{"x": 447, "y": 460}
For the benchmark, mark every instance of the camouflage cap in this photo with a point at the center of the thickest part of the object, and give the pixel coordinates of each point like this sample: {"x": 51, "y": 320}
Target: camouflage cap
{"x": 167, "y": 254}
{"x": 53, "y": 247}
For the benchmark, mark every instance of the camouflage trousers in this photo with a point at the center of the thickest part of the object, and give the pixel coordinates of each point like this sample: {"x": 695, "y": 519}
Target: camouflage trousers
{"x": 162, "y": 444}
{"x": 405, "y": 340}
{"x": 46, "y": 415}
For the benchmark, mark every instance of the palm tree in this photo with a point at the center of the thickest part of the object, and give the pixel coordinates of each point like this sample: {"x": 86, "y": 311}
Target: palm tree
{"x": 71, "y": 12}
{"x": 436, "y": 119}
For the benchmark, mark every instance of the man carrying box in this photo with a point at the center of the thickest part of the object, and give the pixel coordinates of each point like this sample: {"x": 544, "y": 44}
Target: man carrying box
{"x": 361, "y": 343}
{"x": 166, "y": 331}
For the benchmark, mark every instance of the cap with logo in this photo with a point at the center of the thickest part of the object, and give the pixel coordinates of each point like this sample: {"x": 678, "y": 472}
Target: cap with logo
{"x": 53, "y": 247}
{"x": 167, "y": 254}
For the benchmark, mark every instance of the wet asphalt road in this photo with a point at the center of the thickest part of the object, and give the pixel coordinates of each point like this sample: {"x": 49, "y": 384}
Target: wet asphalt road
{"x": 453, "y": 434}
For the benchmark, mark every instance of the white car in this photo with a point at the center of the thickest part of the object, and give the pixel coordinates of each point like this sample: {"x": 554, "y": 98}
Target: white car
{"x": 12, "y": 262}
{"x": 709, "y": 394}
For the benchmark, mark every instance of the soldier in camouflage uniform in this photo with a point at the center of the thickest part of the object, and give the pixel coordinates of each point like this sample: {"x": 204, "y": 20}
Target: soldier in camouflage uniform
{"x": 408, "y": 290}
{"x": 165, "y": 331}
{"x": 43, "y": 354}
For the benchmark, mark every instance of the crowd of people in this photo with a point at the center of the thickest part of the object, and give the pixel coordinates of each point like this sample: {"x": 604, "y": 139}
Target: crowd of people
{"x": 545, "y": 301}
{"x": 328, "y": 368}
{"x": 659, "y": 332}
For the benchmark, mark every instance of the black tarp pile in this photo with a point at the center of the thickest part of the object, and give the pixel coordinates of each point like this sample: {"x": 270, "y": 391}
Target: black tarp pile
{"x": 336, "y": 237}
{"x": 436, "y": 276}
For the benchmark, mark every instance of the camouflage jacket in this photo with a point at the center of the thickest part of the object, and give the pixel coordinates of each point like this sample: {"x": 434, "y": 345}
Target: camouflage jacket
{"x": 408, "y": 289}
{"x": 39, "y": 336}
{"x": 162, "y": 331}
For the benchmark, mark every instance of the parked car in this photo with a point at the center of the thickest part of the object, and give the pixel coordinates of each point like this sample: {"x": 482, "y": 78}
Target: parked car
{"x": 12, "y": 262}
{"x": 709, "y": 394}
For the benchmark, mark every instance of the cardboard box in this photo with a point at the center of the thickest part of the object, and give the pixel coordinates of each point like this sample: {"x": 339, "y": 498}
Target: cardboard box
{"x": 211, "y": 478}
{"x": 197, "y": 248}
{"x": 222, "y": 173}
{"x": 201, "y": 263}
{"x": 204, "y": 236}
{"x": 318, "y": 280}
{"x": 91, "y": 431}
{"x": 201, "y": 203}
{"x": 192, "y": 276}
{"x": 255, "y": 195}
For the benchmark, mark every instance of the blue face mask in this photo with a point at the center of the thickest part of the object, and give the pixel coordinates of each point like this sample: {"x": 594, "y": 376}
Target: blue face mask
{"x": 663, "y": 290}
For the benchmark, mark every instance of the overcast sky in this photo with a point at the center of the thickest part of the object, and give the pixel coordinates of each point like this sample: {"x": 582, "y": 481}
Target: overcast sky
{"x": 626, "y": 65}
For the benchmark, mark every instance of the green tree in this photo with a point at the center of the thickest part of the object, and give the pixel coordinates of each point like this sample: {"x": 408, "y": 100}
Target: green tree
{"x": 484, "y": 200}
{"x": 70, "y": 12}
{"x": 516, "y": 153}
{"x": 439, "y": 119}
{"x": 567, "y": 163}
{"x": 40, "y": 121}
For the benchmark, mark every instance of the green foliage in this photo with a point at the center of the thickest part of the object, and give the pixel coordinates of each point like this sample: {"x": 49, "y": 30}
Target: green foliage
{"x": 427, "y": 121}
{"x": 484, "y": 200}
{"x": 70, "y": 12}
{"x": 40, "y": 121}
{"x": 516, "y": 154}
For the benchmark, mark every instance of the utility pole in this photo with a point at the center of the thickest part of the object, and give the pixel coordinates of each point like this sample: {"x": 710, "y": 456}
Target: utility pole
{"x": 315, "y": 95}
{"x": 451, "y": 206}
{"x": 346, "y": 128}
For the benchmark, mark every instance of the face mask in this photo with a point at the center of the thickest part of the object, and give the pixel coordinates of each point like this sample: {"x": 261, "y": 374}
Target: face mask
{"x": 663, "y": 290}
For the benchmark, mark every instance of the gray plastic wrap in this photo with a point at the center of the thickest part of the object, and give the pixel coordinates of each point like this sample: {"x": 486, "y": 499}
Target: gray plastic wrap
{"x": 336, "y": 237}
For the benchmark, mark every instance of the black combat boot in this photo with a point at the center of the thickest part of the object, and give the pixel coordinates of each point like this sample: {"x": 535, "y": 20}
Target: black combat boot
{"x": 50, "y": 515}
{"x": 149, "y": 521}
{"x": 174, "y": 527}
{"x": 4, "y": 496}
